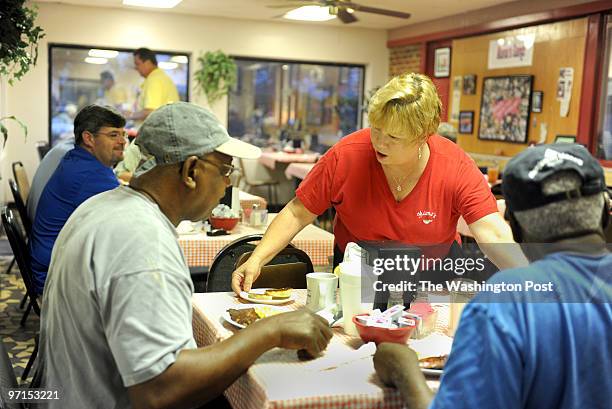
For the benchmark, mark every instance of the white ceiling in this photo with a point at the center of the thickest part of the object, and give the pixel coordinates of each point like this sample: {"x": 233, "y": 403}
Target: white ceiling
{"x": 257, "y": 10}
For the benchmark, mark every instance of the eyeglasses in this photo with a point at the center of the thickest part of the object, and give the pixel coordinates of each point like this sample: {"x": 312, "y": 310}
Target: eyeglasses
{"x": 114, "y": 135}
{"x": 224, "y": 169}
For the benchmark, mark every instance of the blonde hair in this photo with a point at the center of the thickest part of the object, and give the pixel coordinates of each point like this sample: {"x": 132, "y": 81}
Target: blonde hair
{"x": 407, "y": 105}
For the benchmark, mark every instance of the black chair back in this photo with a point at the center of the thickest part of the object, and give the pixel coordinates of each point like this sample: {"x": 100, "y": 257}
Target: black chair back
{"x": 21, "y": 253}
{"x": 21, "y": 207}
{"x": 42, "y": 147}
{"x": 220, "y": 274}
{"x": 8, "y": 380}
{"x": 289, "y": 269}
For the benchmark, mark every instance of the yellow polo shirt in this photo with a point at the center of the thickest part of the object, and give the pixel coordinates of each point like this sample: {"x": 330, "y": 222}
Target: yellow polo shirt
{"x": 157, "y": 90}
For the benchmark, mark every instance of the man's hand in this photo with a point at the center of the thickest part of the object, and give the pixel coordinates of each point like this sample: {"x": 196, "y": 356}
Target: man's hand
{"x": 393, "y": 360}
{"x": 300, "y": 330}
{"x": 397, "y": 365}
{"x": 243, "y": 277}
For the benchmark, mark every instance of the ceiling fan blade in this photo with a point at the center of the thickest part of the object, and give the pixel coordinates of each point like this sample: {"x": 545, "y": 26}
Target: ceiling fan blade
{"x": 367, "y": 9}
{"x": 345, "y": 16}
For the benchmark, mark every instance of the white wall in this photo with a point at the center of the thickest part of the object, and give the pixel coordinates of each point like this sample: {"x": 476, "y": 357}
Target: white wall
{"x": 105, "y": 27}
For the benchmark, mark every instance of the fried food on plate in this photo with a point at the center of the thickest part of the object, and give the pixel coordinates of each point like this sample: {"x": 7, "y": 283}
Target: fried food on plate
{"x": 433, "y": 362}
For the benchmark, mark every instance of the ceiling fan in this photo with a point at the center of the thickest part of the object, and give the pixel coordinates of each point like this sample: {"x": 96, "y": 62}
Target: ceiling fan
{"x": 343, "y": 9}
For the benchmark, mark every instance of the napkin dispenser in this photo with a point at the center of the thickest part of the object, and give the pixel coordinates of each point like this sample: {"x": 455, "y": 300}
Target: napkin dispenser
{"x": 377, "y": 252}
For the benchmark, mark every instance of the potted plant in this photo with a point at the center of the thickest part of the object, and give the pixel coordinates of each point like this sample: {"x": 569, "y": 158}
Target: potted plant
{"x": 19, "y": 36}
{"x": 216, "y": 75}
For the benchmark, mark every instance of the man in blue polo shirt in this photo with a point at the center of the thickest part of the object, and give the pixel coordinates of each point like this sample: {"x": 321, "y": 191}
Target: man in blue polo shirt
{"x": 547, "y": 344}
{"x": 82, "y": 173}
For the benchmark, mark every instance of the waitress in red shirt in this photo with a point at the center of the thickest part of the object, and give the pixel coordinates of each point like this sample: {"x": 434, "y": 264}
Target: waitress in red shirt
{"x": 397, "y": 180}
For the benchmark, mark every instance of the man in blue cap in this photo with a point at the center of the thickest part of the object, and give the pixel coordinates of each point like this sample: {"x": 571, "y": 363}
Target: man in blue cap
{"x": 533, "y": 349}
{"x": 116, "y": 328}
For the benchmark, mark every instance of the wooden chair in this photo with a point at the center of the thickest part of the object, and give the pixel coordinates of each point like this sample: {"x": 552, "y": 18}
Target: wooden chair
{"x": 21, "y": 177}
{"x": 249, "y": 168}
{"x": 21, "y": 207}
{"x": 220, "y": 273}
{"x": 282, "y": 275}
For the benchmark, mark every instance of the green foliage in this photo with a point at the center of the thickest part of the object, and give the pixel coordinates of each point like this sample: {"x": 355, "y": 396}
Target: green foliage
{"x": 216, "y": 75}
{"x": 4, "y": 130}
{"x": 19, "y": 36}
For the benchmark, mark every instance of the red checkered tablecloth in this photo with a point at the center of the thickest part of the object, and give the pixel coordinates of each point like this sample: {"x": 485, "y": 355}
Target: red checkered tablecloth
{"x": 278, "y": 379}
{"x": 269, "y": 159}
{"x": 247, "y": 201}
{"x": 200, "y": 249}
{"x": 298, "y": 170}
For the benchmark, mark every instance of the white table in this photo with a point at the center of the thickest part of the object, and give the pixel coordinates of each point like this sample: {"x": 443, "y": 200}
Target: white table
{"x": 342, "y": 378}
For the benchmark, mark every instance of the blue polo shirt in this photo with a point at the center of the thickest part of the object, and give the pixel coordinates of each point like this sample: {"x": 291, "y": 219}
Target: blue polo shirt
{"x": 524, "y": 353}
{"x": 78, "y": 177}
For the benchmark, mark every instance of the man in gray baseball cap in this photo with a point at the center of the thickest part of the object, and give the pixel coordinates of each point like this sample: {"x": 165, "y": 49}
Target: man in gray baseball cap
{"x": 122, "y": 302}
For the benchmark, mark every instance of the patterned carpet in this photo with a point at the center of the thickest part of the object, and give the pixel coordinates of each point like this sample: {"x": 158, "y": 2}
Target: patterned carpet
{"x": 18, "y": 340}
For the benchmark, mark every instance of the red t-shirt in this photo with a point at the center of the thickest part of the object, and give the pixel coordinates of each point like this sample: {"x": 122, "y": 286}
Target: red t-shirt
{"x": 349, "y": 178}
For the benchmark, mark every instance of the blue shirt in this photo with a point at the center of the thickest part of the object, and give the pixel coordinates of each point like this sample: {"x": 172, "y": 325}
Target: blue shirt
{"x": 521, "y": 353}
{"x": 78, "y": 177}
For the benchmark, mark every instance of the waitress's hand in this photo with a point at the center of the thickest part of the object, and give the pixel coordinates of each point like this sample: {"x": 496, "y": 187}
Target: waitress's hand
{"x": 243, "y": 276}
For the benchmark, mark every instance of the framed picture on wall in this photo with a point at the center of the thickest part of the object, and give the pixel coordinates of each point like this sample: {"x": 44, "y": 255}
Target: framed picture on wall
{"x": 469, "y": 84}
{"x": 505, "y": 108}
{"x": 466, "y": 122}
{"x": 536, "y": 101}
{"x": 442, "y": 62}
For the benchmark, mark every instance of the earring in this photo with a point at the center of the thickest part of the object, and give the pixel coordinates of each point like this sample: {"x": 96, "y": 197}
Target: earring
{"x": 420, "y": 153}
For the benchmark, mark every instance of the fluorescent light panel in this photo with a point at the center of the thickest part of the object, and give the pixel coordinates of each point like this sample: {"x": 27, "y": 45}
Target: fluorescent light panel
{"x": 309, "y": 13}
{"x": 159, "y": 4}
{"x": 96, "y": 60}
{"x": 94, "y": 52}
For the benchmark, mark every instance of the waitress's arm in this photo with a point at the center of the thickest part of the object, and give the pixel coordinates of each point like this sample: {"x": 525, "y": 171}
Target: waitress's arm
{"x": 289, "y": 222}
{"x": 494, "y": 237}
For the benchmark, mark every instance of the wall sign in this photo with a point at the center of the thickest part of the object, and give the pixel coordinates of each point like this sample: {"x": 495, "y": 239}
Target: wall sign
{"x": 514, "y": 51}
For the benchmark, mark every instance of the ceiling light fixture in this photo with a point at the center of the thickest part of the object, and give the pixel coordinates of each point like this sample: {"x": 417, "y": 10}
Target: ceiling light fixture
{"x": 159, "y": 4}
{"x": 167, "y": 65}
{"x": 95, "y": 52}
{"x": 96, "y": 60}
{"x": 309, "y": 13}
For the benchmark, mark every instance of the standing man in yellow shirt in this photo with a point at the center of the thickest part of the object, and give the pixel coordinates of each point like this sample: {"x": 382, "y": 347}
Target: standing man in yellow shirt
{"x": 156, "y": 90}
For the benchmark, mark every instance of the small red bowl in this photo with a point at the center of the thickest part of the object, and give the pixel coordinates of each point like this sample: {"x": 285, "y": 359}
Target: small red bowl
{"x": 225, "y": 223}
{"x": 378, "y": 335}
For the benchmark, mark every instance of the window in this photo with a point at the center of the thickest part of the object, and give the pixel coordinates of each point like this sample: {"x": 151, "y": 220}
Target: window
{"x": 280, "y": 102}
{"x": 81, "y": 75}
{"x": 604, "y": 142}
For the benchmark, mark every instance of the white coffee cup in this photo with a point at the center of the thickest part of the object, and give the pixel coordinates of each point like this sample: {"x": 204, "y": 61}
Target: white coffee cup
{"x": 321, "y": 290}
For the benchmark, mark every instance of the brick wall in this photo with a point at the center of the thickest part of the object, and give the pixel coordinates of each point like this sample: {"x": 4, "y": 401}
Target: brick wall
{"x": 404, "y": 59}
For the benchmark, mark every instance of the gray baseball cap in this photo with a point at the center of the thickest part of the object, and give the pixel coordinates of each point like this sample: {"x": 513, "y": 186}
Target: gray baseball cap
{"x": 176, "y": 131}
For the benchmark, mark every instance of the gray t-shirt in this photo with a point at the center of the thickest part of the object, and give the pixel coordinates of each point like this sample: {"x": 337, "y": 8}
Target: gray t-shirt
{"x": 117, "y": 302}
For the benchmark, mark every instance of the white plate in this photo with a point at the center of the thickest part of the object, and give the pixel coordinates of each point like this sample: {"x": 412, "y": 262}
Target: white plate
{"x": 245, "y": 296}
{"x": 229, "y": 319}
{"x": 432, "y": 372}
